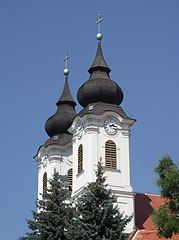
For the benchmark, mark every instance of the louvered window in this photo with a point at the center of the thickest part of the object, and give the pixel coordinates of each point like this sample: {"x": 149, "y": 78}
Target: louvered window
{"x": 80, "y": 158}
{"x": 44, "y": 183}
{"x": 110, "y": 154}
{"x": 70, "y": 175}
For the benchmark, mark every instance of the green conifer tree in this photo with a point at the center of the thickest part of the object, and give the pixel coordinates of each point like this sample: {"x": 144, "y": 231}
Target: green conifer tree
{"x": 50, "y": 221}
{"x": 97, "y": 216}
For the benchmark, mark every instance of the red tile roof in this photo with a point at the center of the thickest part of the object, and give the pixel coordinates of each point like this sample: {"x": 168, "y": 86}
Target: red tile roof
{"x": 150, "y": 235}
{"x": 144, "y": 207}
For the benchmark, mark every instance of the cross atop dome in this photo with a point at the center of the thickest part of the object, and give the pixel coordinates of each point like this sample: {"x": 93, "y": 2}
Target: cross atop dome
{"x": 99, "y": 35}
{"x": 66, "y": 71}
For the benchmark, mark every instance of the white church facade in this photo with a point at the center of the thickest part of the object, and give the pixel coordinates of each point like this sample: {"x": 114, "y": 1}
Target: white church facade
{"x": 101, "y": 130}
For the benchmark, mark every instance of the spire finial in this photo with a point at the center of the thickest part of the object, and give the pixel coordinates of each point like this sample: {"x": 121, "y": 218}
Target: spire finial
{"x": 99, "y": 35}
{"x": 66, "y": 71}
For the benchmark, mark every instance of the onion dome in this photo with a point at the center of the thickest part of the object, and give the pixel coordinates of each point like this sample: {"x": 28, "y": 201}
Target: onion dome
{"x": 62, "y": 119}
{"x": 99, "y": 87}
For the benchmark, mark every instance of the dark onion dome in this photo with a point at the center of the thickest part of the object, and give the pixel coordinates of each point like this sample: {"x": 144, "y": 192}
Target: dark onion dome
{"x": 62, "y": 119}
{"x": 99, "y": 87}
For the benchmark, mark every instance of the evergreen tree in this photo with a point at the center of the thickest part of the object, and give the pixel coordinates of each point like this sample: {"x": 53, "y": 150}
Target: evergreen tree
{"x": 166, "y": 218}
{"x": 97, "y": 216}
{"x": 54, "y": 213}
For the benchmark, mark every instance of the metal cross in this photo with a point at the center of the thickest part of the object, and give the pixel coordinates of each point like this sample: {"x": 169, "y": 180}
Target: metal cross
{"x": 99, "y": 21}
{"x": 66, "y": 60}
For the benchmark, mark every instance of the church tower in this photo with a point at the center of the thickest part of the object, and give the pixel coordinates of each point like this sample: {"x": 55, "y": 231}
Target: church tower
{"x": 56, "y": 152}
{"x": 102, "y": 131}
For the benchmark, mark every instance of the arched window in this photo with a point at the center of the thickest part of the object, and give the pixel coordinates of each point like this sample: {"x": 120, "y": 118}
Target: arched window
{"x": 70, "y": 175}
{"x": 80, "y": 158}
{"x": 44, "y": 183}
{"x": 110, "y": 154}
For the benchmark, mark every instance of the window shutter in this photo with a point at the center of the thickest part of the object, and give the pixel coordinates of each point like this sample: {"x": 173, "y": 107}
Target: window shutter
{"x": 110, "y": 154}
{"x": 80, "y": 158}
{"x": 44, "y": 183}
{"x": 70, "y": 175}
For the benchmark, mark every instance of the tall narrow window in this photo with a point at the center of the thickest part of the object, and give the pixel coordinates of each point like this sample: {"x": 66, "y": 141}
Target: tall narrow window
{"x": 44, "y": 183}
{"x": 110, "y": 154}
{"x": 80, "y": 158}
{"x": 70, "y": 175}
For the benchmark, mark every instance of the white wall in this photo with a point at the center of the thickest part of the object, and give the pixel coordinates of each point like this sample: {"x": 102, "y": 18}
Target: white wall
{"x": 92, "y": 135}
{"x": 59, "y": 158}
{"x": 93, "y": 138}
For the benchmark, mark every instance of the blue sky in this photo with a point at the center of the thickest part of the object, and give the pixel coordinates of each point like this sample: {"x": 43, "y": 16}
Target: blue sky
{"x": 140, "y": 45}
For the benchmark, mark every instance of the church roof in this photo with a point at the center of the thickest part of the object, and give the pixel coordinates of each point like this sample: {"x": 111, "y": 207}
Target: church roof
{"x": 62, "y": 119}
{"x": 149, "y": 235}
{"x": 99, "y": 87}
{"x": 145, "y": 229}
{"x": 60, "y": 139}
{"x": 66, "y": 96}
{"x": 99, "y": 61}
{"x": 145, "y": 204}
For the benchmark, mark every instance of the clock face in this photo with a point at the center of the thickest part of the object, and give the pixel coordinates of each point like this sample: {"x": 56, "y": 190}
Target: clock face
{"x": 110, "y": 126}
